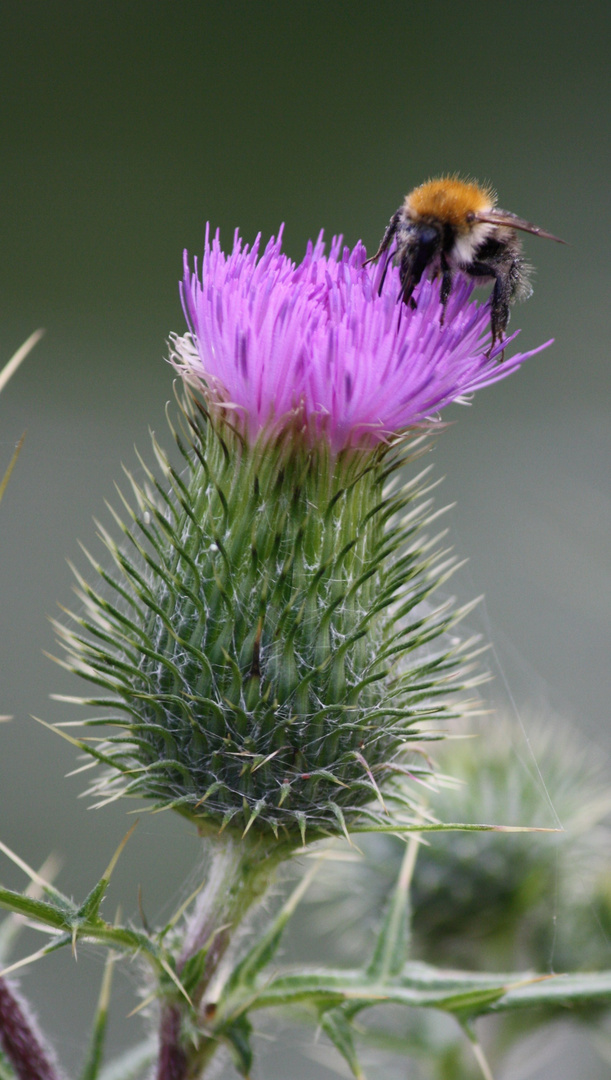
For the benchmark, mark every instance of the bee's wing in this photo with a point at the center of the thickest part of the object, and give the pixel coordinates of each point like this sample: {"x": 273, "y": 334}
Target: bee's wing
{"x": 505, "y": 217}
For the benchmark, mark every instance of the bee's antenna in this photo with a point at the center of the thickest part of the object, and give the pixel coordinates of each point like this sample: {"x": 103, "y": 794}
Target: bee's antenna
{"x": 503, "y": 217}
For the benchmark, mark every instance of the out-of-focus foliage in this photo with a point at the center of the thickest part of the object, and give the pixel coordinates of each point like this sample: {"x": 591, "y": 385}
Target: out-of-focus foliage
{"x": 505, "y": 899}
{"x": 538, "y": 900}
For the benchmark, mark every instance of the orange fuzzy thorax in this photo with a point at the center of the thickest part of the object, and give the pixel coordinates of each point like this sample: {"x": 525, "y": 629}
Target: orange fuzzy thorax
{"x": 449, "y": 200}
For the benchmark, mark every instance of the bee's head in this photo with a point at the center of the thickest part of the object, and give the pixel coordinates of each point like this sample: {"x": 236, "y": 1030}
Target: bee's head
{"x": 454, "y": 203}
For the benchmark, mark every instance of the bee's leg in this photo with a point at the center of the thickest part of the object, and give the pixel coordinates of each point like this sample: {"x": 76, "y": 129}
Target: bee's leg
{"x": 419, "y": 252}
{"x": 499, "y": 311}
{"x": 385, "y": 243}
{"x": 389, "y": 259}
{"x": 408, "y": 283}
{"x": 446, "y": 287}
{"x": 500, "y": 299}
{"x": 389, "y": 232}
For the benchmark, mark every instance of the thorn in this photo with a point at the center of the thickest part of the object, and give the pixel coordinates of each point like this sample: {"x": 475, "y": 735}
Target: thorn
{"x": 143, "y": 918}
{"x": 254, "y": 815}
{"x": 143, "y": 1004}
{"x": 359, "y": 757}
{"x": 301, "y": 821}
{"x": 113, "y": 862}
{"x": 11, "y": 367}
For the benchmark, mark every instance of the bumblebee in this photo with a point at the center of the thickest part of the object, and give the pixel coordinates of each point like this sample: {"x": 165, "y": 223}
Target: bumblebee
{"x": 451, "y": 226}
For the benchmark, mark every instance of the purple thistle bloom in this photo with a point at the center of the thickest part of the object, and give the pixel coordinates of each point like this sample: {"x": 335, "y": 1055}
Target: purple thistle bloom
{"x": 314, "y": 346}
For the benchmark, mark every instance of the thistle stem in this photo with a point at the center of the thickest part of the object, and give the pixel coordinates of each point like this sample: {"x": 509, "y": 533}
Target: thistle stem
{"x": 21, "y": 1040}
{"x": 238, "y": 874}
{"x": 172, "y": 1057}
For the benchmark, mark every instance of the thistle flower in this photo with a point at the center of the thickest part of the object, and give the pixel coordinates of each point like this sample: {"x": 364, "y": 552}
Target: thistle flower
{"x": 266, "y": 642}
{"x": 315, "y": 345}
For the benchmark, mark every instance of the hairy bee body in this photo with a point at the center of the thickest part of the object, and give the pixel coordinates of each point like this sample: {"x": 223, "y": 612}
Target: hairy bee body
{"x": 451, "y": 226}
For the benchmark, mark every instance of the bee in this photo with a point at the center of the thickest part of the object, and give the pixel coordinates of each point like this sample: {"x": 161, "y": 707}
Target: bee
{"x": 451, "y": 226}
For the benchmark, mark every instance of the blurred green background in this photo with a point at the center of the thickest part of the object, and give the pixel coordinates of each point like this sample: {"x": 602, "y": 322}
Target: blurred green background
{"x": 124, "y": 127}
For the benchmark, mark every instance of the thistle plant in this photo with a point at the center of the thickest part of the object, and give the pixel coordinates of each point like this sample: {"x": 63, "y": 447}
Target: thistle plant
{"x": 267, "y": 646}
{"x": 269, "y": 654}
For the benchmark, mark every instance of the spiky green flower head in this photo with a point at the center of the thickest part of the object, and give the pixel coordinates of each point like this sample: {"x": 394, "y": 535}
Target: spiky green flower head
{"x": 497, "y": 898}
{"x": 267, "y": 641}
{"x": 539, "y": 898}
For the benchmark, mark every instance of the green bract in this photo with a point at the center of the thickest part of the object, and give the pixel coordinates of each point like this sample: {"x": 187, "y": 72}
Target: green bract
{"x": 265, "y": 635}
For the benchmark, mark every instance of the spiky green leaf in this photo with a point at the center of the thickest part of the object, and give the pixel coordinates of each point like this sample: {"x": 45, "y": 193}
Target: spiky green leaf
{"x": 460, "y": 993}
{"x": 336, "y": 1025}
{"x": 237, "y": 1036}
{"x": 94, "y": 1059}
{"x": 392, "y": 943}
{"x": 263, "y": 951}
